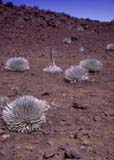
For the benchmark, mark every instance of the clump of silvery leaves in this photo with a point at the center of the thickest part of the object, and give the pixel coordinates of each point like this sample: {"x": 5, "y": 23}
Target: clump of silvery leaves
{"x": 80, "y": 28}
{"x": 25, "y": 114}
{"x": 17, "y": 64}
{"x": 76, "y": 73}
{"x": 52, "y": 68}
{"x": 110, "y": 47}
{"x": 82, "y": 49}
{"x": 92, "y": 65}
{"x": 67, "y": 40}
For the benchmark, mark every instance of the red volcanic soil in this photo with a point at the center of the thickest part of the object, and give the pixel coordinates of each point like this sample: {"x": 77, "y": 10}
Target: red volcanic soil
{"x": 30, "y": 32}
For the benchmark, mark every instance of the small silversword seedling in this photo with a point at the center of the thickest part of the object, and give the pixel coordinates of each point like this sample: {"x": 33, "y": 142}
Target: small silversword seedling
{"x": 92, "y": 65}
{"x": 67, "y": 40}
{"x": 52, "y": 68}
{"x": 82, "y": 49}
{"x": 4, "y": 100}
{"x": 110, "y": 47}
{"x": 25, "y": 114}
{"x": 17, "y": 64}
{"x": 80, "y": 28}
{"x": 76, "y": 73}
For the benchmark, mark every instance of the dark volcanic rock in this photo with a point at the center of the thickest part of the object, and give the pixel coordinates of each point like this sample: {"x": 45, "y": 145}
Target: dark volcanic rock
{"x": 72, "y": 153}
{"x": 49, "y": 153}
{"x": 78, "y": 105}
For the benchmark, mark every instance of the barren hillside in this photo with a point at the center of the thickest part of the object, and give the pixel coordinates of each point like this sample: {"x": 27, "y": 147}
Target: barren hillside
{"x": 30, "y": 32}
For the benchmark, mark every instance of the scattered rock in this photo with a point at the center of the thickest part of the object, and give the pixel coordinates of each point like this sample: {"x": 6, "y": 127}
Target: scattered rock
{"x": 45, "y": 93}
{"x": 6, "y": 152}
{"x": 62, "y": 147}
{"x": 91, "y": 150}
{"x": 16, "y": 90}
{"x": 76, "y": 104}
{"x": 18, "y": 147}
{"x": 51, "y": 142}
{"x": 5, "y": 136}
{"x": 2, "y": 131}
{"x": 73, "y": 38}
{"x": 49, "y": 153}
{"x": 72, "y": 153}
{"x": 75, "y": 136}
{"x": 71, "y": 135}
{"x": 97, "y": 118}
{"x": 53, "y": 103}
{"x": 86, "y": 142}
{"x": 29, "y": 148}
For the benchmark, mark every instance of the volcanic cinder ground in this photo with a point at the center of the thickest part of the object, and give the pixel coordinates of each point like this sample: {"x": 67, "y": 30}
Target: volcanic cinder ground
{"x": 30, "y": 32}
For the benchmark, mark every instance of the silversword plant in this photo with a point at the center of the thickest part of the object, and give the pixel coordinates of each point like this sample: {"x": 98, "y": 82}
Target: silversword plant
{"x": 52, "y": 68}
{"x": 81, "y": 49}
{"x": 76, "y": 73}
{"x": 4, "y": 100}
{"x": 110, "y": 47}
{"x": 80, "y": 28}
{"x": 17, "y": 64}
{"x": 67, "y": 40}
{"x": 25, "y": 114}
{"x": 92, "y": 65}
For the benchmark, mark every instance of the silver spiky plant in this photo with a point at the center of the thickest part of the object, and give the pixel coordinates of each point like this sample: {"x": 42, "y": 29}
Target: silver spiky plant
{"x": 76, "y": 73}
{"x": 52, "y": 68}
{"x": 17, "y": 64}
{"x": 92, "y": 65}
{"x": 81, "y": 49}
{"x": 4, "y": 100}
{"x": 80, "y": 28}
{"x": 25, "y": 114}
{"x": 67, "y": 40}
{"x": 110, "y": 47}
